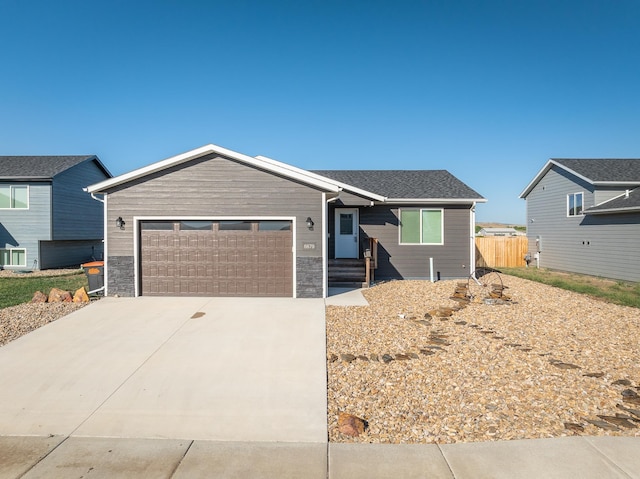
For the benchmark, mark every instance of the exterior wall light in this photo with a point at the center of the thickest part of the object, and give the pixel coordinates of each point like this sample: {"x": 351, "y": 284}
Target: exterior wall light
{"x": 309, "y": 222}
{"x": 120, "y": 223}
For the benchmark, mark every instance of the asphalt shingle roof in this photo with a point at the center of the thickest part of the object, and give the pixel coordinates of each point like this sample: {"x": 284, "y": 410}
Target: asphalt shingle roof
{"x": 400, "y": 184}
{"x": 599, "y": 170}
{"x": 37, "y": 167}
{"x": 622, "y": 203}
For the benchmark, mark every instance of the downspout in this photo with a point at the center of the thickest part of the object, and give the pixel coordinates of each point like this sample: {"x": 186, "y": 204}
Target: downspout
{"x": 472, "y": 243}
{"x": 104, "y": 240}
{"x": 325, "y": 246}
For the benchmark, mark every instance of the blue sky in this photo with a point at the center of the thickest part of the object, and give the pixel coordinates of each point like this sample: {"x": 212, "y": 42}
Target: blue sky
{"x": 488, "y": 90}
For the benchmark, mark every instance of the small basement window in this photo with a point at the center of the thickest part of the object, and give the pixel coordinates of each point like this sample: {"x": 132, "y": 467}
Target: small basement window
{"x": 13, "y": 257}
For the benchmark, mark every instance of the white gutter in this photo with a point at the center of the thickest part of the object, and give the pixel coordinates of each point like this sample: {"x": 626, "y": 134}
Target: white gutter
{"x": 472, "y": 243}
{"x": 325, "y": 246}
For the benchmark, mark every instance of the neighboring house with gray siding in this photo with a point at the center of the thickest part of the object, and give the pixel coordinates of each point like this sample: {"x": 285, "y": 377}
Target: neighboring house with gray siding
{"x": 215, "y": 222}
{"x": 46, "y": 219}
{"x": 583, "y": 216}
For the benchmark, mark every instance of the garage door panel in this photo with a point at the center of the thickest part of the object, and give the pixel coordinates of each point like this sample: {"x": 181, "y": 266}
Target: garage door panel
{"x": 248, "y": 262}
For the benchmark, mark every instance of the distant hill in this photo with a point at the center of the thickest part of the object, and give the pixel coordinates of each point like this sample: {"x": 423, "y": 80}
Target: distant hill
{"x": 480, "y": 225}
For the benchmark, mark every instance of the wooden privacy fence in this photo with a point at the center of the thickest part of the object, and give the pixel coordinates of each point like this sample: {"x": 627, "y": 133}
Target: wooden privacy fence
{"x": 501, "y": 251}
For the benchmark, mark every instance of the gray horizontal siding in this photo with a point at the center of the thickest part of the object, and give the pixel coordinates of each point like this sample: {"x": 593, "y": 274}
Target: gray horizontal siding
{"x": 214, "y": 187}
{"x": 604, "y": 245}
{"x": 451, "y": 260}
{"x": 25, "y": 228}
{"x": 75, "y": 214}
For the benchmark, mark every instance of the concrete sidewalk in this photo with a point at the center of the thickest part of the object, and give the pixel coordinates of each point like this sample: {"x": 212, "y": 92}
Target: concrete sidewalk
{"x": 570, "y": 457}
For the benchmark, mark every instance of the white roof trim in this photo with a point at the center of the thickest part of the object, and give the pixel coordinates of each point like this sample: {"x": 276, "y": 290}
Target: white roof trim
{"x": 274, "y": 167}
{"x": 544, "y": 171}
{"x": 343, "y": 186}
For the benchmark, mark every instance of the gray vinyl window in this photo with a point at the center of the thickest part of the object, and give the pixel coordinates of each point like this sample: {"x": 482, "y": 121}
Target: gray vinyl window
{"x": 422, "y": 226}
{"x": 574, "y": 204}
{"x": 13, "y": 257}
{"x": 14, "y": 197}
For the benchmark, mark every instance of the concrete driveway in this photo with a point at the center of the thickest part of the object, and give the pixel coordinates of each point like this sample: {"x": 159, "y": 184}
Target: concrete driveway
{"x": 222, "y": 369}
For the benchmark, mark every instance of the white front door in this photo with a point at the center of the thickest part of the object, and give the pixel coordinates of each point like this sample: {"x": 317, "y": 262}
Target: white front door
{"x": 346, "y": 232}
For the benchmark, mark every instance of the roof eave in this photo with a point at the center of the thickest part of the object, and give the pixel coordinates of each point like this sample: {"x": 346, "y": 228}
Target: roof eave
{"x": 545, "y": 169}
{"x": 630, "y": 209}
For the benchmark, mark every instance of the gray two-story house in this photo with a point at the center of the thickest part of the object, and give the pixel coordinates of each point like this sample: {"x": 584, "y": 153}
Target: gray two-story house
{"x": 583, "y": 216}
{"x": 46, "y": 219}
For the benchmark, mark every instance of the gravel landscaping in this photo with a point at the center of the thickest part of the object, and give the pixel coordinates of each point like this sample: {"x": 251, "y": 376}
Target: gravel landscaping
{"x": 16, "y": 321}
{"x": 547, "y": 363}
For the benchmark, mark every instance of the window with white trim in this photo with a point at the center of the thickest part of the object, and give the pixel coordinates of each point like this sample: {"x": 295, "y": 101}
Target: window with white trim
{"x": 14, "y": 197}
{"x": 422, "y": 226}
{"x": 574, "y": 204}
{"x": 13, "y": 257}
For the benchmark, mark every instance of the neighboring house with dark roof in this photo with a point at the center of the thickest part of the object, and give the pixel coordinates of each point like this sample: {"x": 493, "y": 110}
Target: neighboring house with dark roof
{"x": 215, "y": 222}
{"x": 583, "y": 216}
{"x": 46, "y": 219}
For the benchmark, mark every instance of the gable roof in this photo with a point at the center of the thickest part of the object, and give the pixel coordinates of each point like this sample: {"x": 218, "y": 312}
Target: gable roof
{"x": 376, "y": 185}
{"x": 403, "y": 185}
{"x": 627, "y": 202}
{"x": 41, "y": 168}
{"x": 598, "y": 172}
{"x": 271, "y": 166}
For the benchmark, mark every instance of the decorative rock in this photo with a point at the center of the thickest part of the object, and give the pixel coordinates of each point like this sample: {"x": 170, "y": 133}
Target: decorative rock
{"x": 362, "y": 357}
{"x": 333, "y": 357}
{"x": 414, "y": 356}
{"x": 621, "y": 382}
{"x": 618, "y": 421}
{"x": 593, "y": 375}
{"x": 59, "y": 296}
{"x": 427, "y": 352}
{"x": 387, "y": 358}
{"x": 561, "y": 365}
{"x": 374, "y": 357}
{"x": 602, "y": 424}
{"x": 350, "y": 425}
{"x": 402, "y": 357}
{"x": 460, "y": 323}
{"x": 39, "y": 297}
{"x": 427, "y": 316}
{"x": 630, "y": 396}
{"x": 347, "y": 358}
{"x": 197, "y": 314}
{"x": 81, "y": 296}
{"x": 635, "y": 412}
{"x": 575, "y": 427}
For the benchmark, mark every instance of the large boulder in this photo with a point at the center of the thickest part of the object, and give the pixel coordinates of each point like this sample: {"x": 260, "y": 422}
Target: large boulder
{"x": 81, "y": 296}
{"x": 39, "y": 297}
{"x": 59, "y": 296}
{"x": 350, "y": 425}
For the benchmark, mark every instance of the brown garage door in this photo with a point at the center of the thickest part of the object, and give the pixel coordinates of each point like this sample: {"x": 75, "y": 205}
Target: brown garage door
{"x": 216, "y": 258}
